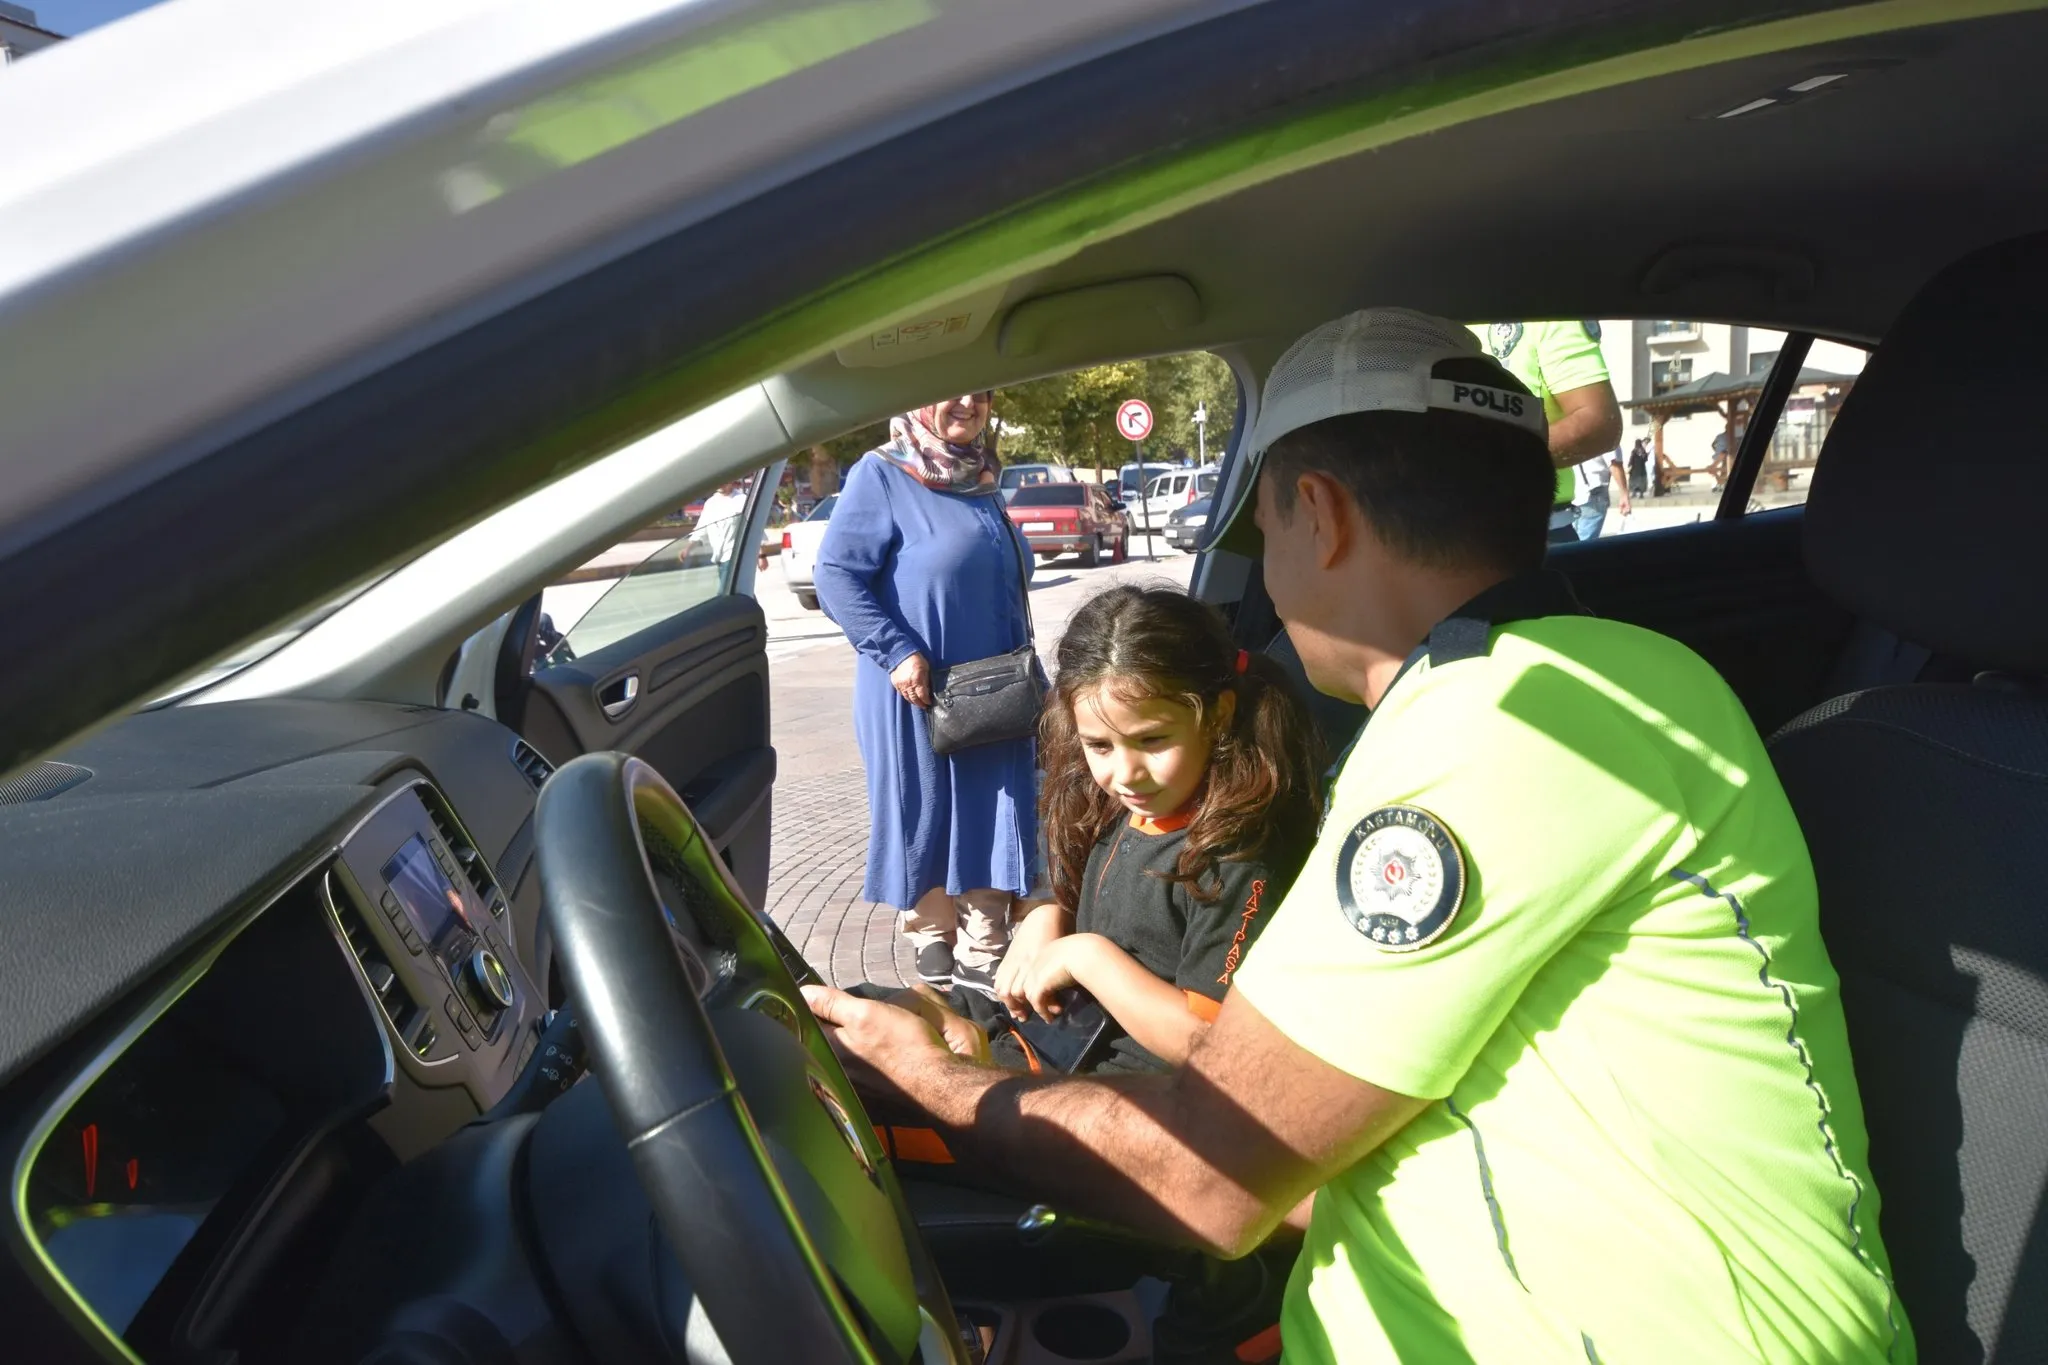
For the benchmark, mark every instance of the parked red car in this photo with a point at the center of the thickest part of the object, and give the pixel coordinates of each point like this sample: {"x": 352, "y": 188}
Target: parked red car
{"x": 1066, "y": 518}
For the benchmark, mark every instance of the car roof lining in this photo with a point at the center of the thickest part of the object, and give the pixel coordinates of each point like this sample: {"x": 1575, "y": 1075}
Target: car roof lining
{"x": 1428, "y": 234}
{"x": 1789, "y": 219}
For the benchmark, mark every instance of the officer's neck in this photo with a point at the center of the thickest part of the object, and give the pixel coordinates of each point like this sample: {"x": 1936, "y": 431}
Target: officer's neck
{"x": 1394, "y": 621}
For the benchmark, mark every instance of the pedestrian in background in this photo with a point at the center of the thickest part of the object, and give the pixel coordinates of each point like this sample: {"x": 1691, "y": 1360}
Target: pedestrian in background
{"x": 1600, "y": 483}
{"x": 1562, "y": 364}
{"x": 922, "y": 568}
{"x": 1639, "y": 468}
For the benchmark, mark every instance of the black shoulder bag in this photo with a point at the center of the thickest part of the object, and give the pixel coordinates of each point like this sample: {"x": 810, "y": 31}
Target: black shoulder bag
{"x": 988, "y": 701}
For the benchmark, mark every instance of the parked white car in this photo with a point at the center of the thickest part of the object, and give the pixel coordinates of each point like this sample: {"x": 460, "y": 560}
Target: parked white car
{"x": 800, "y": 541}
{"x": 1170, "y": 492}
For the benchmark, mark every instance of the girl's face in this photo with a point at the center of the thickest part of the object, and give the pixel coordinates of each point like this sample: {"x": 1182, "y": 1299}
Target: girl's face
{"x": 1148, "y": 754}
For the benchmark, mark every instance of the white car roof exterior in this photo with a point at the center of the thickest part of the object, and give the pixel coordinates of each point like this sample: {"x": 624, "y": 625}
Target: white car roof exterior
{"x": 230, "y": 202}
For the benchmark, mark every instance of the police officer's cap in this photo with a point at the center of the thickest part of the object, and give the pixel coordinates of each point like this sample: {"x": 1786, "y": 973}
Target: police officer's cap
{"x": 1374, "y": 360}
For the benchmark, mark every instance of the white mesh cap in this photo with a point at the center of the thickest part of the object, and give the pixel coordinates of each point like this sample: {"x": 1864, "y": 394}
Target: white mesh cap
{"x": 1374, "y": 360}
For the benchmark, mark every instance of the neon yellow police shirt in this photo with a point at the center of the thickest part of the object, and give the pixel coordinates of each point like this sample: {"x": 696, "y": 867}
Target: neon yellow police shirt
{"x": 1561, "y": 892}
{"x": 1551, "y": 358}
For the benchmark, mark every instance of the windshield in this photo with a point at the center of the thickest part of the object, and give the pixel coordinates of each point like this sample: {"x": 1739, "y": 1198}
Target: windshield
{"x": 1019, "y": 475}
{"x": 823, "y": 511}
{"x": 1132, "y": 478}
{"x": 1048, "y": 495}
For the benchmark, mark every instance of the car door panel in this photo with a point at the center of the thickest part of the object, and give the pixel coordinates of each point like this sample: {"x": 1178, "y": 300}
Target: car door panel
{"x": 1735, "y": 591}
{"x": 697, "y": 713}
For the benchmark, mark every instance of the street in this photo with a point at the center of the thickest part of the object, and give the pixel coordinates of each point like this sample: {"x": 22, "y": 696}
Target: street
{"x": 821, "y": 818}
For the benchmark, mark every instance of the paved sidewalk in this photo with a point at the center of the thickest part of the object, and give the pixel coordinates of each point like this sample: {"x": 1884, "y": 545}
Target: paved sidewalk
{"x": 821, "y": 807}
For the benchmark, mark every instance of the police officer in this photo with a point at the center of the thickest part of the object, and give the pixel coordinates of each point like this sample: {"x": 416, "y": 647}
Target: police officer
{"x": 1545, "y": 1023}
{"x": 1561, "y": 363}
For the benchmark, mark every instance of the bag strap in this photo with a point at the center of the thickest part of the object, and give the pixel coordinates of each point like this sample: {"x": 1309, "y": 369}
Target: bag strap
{"x": 1023, "y": 577}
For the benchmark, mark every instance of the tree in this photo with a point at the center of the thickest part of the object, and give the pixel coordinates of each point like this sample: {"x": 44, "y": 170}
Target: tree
{"x": 1071, "y": 418}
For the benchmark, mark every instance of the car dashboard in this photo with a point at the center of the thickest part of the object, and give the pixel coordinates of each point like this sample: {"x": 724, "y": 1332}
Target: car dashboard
{"x": 258, "y": 955}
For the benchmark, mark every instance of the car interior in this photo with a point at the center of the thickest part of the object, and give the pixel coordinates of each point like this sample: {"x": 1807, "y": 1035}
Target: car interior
{"x": 309, "y": 955}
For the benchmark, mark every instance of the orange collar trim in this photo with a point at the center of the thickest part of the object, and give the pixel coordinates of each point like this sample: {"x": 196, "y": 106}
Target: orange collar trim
{"x": 1166, "y": 824}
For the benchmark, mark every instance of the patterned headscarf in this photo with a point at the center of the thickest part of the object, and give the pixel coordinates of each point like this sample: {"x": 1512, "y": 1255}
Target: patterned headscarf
{"x": 916, "y": 448}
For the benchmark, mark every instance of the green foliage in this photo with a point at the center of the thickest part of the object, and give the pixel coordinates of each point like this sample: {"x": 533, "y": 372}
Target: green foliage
{"x": 1071, "y": 418}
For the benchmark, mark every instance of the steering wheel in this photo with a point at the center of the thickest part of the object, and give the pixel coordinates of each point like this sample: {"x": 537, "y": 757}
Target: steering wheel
{"x": 749, "y": 1140}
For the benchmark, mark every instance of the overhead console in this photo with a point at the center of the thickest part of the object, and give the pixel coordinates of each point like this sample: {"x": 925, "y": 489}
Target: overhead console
{"x": 427, "y": 923}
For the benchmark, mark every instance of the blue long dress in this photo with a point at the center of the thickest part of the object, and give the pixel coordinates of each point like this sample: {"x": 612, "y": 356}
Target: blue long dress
{"x": 906, "y": 569}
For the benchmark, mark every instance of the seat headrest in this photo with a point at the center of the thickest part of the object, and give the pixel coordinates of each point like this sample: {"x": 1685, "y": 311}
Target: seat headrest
{"x": 1926, "y": 516}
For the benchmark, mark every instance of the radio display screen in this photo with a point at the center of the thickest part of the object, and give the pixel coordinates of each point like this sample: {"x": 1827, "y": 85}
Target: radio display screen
{"x": 430, "y": 898}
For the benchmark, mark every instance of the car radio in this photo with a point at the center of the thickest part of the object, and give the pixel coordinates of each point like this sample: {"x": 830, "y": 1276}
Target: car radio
{"x": 422, "y": 913}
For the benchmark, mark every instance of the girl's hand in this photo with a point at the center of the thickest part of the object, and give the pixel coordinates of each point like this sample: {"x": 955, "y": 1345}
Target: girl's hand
{"x": 912, "y": 680}
{"x": 1041, "y": 926}
{"x": 1053, "y": 970}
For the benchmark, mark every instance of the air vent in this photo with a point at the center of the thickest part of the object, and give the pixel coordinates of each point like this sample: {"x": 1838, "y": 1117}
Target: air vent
{"x": 406, "y": 1017}
{"x": 467, "y": 857}
{"x": 531, "y": 765}
{"x": 41, "y": 781}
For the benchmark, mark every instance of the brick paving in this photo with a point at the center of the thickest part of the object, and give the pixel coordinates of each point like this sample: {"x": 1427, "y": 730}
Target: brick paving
{"x": 821, "y": 808}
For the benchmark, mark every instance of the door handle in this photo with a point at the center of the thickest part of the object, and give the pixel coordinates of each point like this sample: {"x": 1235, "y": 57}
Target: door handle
{"x": 616, "y": 697}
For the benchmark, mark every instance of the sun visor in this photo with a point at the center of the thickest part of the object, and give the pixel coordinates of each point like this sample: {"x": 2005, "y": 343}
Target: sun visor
{"x": 933, "y": 332}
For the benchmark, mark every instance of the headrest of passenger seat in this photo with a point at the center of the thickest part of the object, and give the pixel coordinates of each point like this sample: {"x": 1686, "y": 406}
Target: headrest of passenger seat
{"x": 1929, "y": 510}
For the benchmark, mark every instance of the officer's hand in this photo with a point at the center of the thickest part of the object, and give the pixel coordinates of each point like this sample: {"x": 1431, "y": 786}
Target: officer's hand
{"x": 877, "y": 1043}
{"x": 962, "y": 1035}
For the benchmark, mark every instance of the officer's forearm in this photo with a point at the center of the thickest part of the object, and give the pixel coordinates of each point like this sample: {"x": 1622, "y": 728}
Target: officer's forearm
{"x": 1099, "y": 1147}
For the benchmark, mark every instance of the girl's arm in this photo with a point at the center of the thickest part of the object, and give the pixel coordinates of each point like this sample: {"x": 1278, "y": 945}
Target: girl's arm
{"x": 857, "y": 543}
{"x": 1154, "y": 1012}
{"x": 1040, "y": 924}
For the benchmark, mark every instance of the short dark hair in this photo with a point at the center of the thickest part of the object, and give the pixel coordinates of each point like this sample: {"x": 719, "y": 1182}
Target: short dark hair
{"x": 1445, "y": 490}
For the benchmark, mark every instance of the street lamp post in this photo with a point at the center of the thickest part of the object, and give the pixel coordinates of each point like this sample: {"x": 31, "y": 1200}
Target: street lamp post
{"x": 1201, "y": 435}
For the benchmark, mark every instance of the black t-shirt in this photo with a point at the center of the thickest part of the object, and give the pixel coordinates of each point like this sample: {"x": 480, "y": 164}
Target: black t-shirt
{"x": 1195, "y": 944}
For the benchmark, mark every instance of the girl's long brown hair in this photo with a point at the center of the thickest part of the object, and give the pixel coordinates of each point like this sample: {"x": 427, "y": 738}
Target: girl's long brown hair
{"x": 1263, "y": 782}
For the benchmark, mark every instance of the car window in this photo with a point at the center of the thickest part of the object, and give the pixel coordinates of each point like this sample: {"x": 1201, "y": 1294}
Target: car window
{"x": 1206, "y": 484}
{"x": 1048, "y": 495}
{"x": 1826, "y": 377}
{"x": 686, "y": 559}
{"x": 823, "y": 511}
{"x": 1686, "y": 388}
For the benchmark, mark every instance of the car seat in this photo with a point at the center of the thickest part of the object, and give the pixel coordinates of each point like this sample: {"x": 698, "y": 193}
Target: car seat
{"x": 1925, "y": 805}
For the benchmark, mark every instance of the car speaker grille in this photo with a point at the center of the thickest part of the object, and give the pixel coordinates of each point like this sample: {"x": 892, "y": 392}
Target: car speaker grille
{"x": 40, "y": 782}
{"x": 528, "y": 760}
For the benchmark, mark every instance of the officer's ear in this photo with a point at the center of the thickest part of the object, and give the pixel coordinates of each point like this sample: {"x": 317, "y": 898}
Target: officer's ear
{"x": 1326, "y": 514}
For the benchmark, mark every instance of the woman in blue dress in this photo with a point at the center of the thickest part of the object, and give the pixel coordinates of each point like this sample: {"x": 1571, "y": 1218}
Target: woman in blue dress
{"x": 922, "y": 569}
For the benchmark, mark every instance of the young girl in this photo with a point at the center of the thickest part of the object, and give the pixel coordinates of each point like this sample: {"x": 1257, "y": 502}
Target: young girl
{"x": 1180, "y": 798}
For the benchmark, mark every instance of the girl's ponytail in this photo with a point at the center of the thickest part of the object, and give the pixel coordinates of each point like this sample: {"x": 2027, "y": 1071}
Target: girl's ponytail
{"x": 1265, "y": 774}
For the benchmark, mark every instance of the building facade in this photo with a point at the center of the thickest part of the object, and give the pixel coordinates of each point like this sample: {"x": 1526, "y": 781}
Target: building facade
{"x": 20, "y": 34}
{"x": 1649, "y": 358}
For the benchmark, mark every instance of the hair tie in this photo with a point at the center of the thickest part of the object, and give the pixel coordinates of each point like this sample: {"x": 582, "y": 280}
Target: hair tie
{"x": 1244, "y": 662}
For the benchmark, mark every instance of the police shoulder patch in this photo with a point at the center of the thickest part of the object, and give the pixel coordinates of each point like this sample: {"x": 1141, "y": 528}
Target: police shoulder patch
{"x": 1505, "y": 337}
{"x": 1592, "y": 329}
{"x": 1400, "y": 878}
